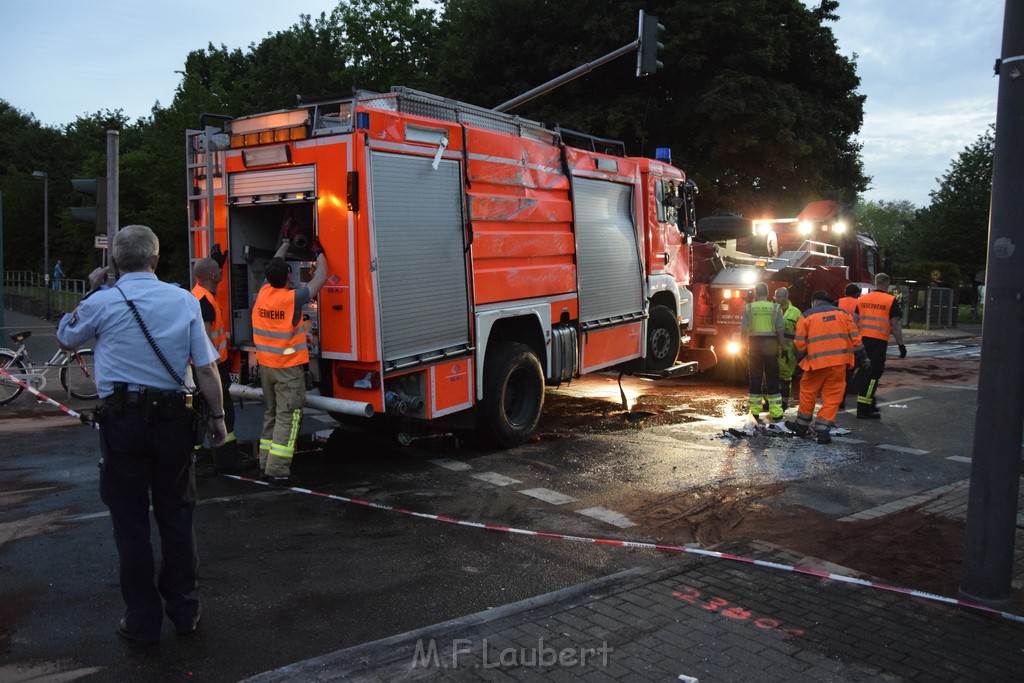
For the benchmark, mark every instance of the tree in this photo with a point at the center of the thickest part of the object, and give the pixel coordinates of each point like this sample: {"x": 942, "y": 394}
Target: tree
{"x": 954, "y": 227}
{"x": 755, "y": 100}
{"x": 887, "y": 222}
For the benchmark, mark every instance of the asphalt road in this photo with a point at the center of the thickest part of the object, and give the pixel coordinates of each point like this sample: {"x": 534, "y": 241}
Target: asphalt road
{"x": 289, "y": 575}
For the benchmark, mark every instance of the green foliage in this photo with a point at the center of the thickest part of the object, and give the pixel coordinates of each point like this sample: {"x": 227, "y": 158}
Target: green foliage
{"x": 887, "y": 222}
{"x": 924, "y": 272}
{"x": 954, "y": 227}
{"x": 755, "y": 100}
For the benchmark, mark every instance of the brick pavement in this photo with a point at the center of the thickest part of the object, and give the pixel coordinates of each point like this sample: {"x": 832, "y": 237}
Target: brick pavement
{"x": 685, "y": 618}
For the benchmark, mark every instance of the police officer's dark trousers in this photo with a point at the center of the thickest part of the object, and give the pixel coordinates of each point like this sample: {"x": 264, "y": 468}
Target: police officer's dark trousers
{"x": 144, "y": 457}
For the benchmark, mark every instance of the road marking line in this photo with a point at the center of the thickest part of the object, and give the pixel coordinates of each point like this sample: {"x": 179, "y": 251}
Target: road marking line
{"x": 453, "y": 465}
{"x": 548, "y": 496}
{"x": 23, "y": 491}
{"x": 495, "y": 478}
{"x": 901, "y": 449}
{"x": 847, "y": 439}
{"x": 608, "y": 517}
{"x": 959, "y": 458}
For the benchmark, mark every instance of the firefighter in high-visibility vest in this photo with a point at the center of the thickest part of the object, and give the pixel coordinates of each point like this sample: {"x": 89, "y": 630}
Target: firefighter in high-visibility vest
{"x": 788, "y": 369}
{"x": 226, "y": 457}
{"x": 828, "y": 343}
{"x": 763, "y": 326}
{"x": 879, "y": 317}
{"x": 281, "y": 351}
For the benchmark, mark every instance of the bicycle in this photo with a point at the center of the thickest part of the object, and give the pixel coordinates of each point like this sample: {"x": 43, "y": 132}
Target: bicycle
{"x": 77, "y": 372}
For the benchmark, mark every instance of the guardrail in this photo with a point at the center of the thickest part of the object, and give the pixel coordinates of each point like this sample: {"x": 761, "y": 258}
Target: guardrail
{"x": 26, "y": 291}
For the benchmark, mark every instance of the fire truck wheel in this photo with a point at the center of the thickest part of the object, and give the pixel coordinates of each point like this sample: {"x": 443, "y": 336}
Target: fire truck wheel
{"x": 513, "y": 393}
{"x": 662, "y": 339}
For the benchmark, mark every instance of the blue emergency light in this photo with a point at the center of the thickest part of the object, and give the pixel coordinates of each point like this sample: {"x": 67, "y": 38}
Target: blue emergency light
{"x": 663, "y": 154}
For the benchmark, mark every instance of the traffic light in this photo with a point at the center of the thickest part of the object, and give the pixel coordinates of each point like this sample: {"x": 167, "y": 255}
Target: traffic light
{"x": 647, "y": 53}
{"x": 97, "y": 215}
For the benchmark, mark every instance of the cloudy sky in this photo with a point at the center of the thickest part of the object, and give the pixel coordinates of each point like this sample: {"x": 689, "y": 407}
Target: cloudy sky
{"x": 925, "y": 67}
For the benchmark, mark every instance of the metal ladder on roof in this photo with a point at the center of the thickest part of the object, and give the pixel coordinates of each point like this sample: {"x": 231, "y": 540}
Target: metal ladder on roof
{"x": 203, "y": 165}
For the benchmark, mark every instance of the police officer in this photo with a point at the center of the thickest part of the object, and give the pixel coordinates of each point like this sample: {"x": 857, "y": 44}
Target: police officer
{"x": 763, "y": 326}
{"x": 880, "y": 317}
{"x": 146, "y": 427}
{"x": 788, "y": 369}
{"x": 827, "y": 341}
{"x": 280, "y": 340}
{"x": 226, "y": 457}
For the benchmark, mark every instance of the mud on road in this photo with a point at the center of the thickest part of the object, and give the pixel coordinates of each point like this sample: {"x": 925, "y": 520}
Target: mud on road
{"x": 908, "y": 548}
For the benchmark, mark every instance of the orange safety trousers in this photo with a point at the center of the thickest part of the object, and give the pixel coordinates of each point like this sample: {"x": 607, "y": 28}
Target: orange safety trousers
{"x": 830, "y": 382}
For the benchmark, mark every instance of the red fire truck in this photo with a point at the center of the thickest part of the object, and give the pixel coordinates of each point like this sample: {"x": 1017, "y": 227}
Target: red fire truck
{"x": 816, "y": 250}
{"x": 474, "y": 256}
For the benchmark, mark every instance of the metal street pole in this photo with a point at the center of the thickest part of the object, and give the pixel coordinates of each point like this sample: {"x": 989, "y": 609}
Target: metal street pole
{"x": 46, "y": 239}
{"x": 995, "y": 465}
{"x": 2, "y": 272}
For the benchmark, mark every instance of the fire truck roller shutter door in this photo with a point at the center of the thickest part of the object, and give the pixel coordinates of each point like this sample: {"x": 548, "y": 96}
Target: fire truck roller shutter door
{"x": 421, "y": 261}
{"x": 610, "y": 273}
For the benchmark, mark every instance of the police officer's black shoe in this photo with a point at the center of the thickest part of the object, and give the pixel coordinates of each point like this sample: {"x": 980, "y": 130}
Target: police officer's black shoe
{"x": 866, "y": 414}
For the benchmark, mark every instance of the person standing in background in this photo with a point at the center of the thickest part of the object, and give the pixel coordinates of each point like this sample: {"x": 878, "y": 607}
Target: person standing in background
{"x": 880, "y": 317}
{"x": 58, "y": 273}
{"x": 762, "y": 326}
{"x": 788, "y": 369}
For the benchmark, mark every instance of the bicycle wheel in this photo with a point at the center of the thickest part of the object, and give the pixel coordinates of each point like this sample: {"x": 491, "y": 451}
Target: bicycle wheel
{"x": 78, "y": 377}
{"x": 9, "y": 389}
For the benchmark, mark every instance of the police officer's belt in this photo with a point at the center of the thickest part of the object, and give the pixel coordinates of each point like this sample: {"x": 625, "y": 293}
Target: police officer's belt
{"x": 147, "y": 396}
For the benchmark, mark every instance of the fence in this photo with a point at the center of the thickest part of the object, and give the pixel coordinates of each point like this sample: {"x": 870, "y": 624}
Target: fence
{"x": 929, "y": 305}
{"x": 26, "y": 291}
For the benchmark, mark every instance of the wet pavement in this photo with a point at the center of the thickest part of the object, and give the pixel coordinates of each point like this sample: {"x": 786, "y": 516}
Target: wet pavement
{"x": 303, "y": 586}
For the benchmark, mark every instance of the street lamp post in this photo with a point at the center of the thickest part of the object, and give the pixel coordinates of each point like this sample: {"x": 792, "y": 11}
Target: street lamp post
{"x": 46, "y": 236}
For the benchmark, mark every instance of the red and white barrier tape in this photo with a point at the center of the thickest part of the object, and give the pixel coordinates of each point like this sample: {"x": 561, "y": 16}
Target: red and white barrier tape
{"x": 644, "y": 546}
{"x": 43, "y": 397}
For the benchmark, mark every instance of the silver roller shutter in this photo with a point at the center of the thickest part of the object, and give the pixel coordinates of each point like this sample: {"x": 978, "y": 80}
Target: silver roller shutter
{"x": 610, "y": 274}
{"x": 270, "y": 184}
{"x": 421, "y": 261}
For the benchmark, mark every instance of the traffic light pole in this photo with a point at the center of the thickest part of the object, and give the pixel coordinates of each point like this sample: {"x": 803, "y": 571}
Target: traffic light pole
{"x": 567, "y": 76}
{"x": 646, "y": 46}
{"x": 113, "y": 193}
{"x": 995, "y": 465}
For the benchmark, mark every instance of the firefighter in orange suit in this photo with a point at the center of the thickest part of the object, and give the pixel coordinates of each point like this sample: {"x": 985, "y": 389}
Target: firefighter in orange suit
{"x": 281, "y": 351}
{"x": 828, "y": 341}
{"x": 878, "y": 315}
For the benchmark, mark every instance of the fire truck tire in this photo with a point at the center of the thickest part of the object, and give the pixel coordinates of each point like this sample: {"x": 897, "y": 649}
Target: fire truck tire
{"x": 513, "y": 394}
{"x": 662, "y": 339}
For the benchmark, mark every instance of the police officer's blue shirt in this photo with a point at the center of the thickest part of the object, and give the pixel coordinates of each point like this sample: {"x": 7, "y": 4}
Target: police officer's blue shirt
{"x": 122, "y": 353}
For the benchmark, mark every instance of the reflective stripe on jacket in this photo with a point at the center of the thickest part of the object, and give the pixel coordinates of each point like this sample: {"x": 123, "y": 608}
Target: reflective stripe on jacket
{"x": 218, "y": 331}
{"x": 828, "y": 337}
{"x": 874, "y": 310}
{"x": 279, "y": 343}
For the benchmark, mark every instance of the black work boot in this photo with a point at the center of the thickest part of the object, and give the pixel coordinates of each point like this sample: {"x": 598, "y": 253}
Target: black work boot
{"x": 865, "y": 413}
{"x": 822, "y": 433}
{"x": 796, "y": 428}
